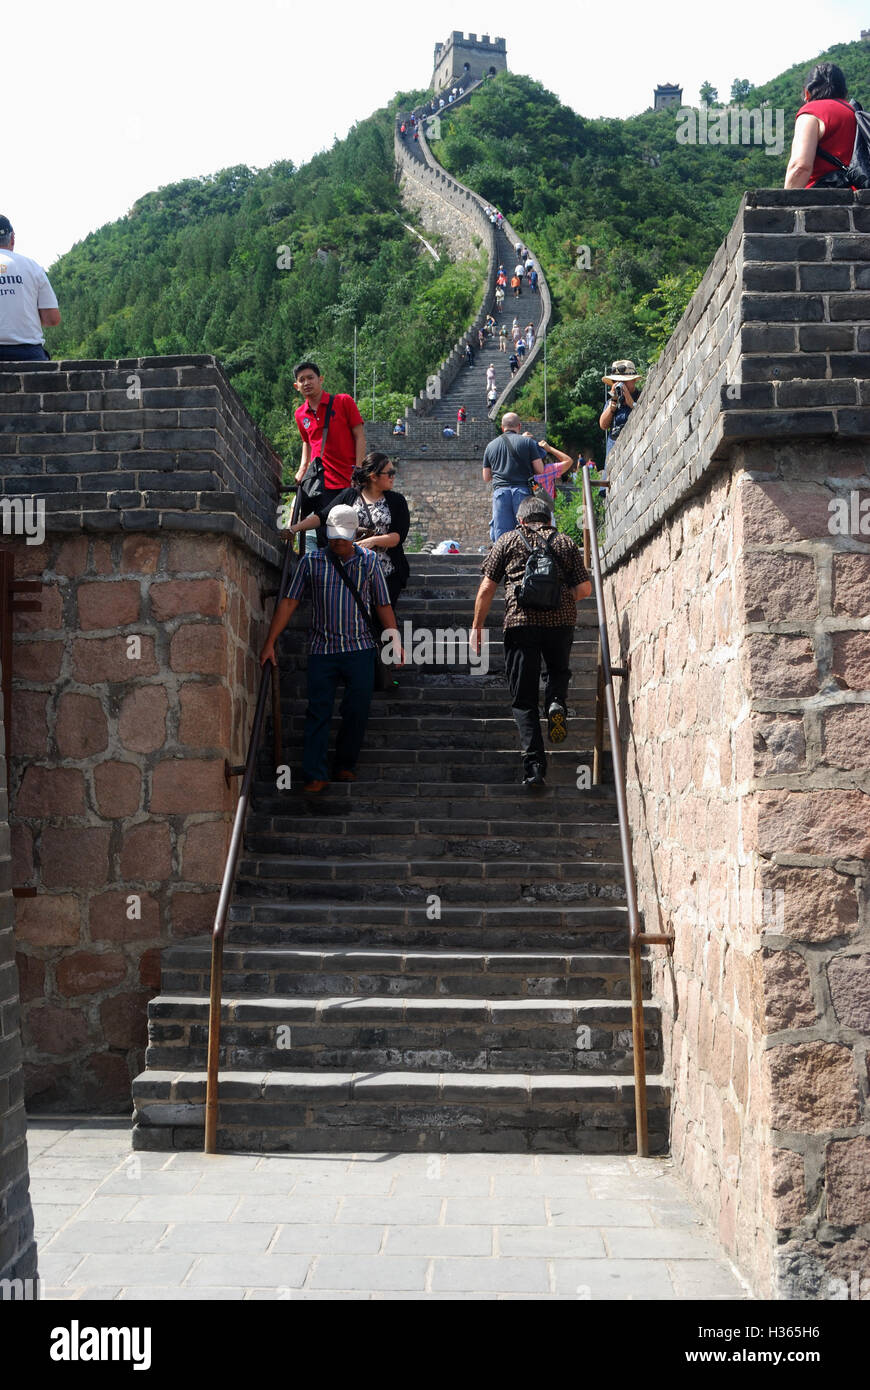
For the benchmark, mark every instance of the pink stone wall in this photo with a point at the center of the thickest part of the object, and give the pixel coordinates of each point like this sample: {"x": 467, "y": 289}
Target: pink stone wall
{"x": 748, "y": 770}
{"x": 117, "y": 784}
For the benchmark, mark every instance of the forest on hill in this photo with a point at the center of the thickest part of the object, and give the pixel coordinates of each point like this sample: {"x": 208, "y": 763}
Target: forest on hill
{"x": 265, "y": 267}
{"x": 262, "y": 267}
{"x": 624, "y": 218}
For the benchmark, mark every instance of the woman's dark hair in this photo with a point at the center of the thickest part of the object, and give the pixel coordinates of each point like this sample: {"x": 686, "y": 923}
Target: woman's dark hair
{"x": 372, "y": 465}
{"x": 825, "y": 81}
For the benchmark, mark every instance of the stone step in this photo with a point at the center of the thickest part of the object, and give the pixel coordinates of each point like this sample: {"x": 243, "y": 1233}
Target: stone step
{"x": 398, "y": 798}
{"x": 412, "y": 1034}
{"x": 473, "y": 767}
{"x": 318, "y": 970}
{"x": 431, "y": 730}
{"x": 447, "y": 1112}
{"x": 596, "y": 843}
{"x": 509, "y": 882}
{"x": 596, "y": 925}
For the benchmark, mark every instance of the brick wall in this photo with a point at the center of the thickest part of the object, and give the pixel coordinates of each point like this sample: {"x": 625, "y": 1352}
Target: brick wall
{"x": 131, "y": 686}
{"x": 746, "y": 615}
{"x": 17, "y": 1246}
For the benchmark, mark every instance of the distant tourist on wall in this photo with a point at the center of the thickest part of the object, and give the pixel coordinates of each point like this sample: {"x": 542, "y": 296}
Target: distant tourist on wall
{"x": 621, "y": 399}
{"x": 490, "y": 375}
{"x": 491, "y": 397}
{"x": 514, "y": 363}
{"x": 516, "y": 285}
{"x": 502, "y": 338}
{"x": 342, "y": 645}
{"x": 399, "y": 426}
{"x": 461, "y": 415}
{"x": 826, "y": 122}
{"x": 469, "y": 355}
{"x": 499, "y": 297}
{"x": 27, "y": 303}
{"x": 333, "y": 440}
{"x": 509, "y": 464}
{"x": 533, "y": 280}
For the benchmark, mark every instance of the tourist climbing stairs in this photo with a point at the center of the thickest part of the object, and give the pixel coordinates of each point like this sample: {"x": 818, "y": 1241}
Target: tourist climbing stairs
{"x": 430, "y": 958}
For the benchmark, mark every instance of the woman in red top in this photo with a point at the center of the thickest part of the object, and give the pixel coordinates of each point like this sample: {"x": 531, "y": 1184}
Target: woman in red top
{"x": 826, "y": 120}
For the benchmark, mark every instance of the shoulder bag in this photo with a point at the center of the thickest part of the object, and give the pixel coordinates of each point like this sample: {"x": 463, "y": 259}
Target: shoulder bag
{"x": 384, "y": 677}
{"x": 313, "y": 485}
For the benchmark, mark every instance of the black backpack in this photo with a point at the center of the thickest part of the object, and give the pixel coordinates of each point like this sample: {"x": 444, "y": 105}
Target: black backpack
{"x": 855, "y": 174}
{"x": 541, "y": 584}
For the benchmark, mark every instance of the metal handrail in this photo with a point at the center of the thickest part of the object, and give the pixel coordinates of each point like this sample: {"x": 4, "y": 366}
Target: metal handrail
{"x": 637, "y": 938}
{"x": 268, "y": 680}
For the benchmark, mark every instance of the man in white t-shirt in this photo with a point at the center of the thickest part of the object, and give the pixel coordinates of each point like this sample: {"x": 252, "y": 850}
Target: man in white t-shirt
{"x": 27, "y": 303}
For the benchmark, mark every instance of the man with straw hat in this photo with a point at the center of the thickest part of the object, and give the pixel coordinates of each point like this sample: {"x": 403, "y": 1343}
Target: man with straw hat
{"x": 621, "y": 399}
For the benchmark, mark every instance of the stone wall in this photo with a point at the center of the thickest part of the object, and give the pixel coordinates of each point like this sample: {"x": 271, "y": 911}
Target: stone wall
{"x": 746, "y": 616}
{"x": 437, "y": 197}
{"x": 131, "y": 687}
{"x": 17, "y": 1245}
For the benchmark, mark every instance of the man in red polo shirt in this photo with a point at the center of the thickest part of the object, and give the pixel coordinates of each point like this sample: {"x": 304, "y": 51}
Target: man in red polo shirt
{"x": 345, "y": 438}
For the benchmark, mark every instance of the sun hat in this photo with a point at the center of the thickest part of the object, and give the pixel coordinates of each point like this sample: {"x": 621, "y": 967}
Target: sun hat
{"x": 622, "y": 370}
{"x": 342, "y": 524}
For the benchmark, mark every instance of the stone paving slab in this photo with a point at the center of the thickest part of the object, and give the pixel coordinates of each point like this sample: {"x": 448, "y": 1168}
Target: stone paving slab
{"x": 118, "y": 1226}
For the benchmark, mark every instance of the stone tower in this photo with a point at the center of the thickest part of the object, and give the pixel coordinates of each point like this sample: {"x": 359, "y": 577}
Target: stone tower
{"x": 666, "y": 94}
{"x": 462, "y": 60}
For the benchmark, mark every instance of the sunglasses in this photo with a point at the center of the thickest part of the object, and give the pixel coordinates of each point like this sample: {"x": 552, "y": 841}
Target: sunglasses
{"x": 388, "y": 473}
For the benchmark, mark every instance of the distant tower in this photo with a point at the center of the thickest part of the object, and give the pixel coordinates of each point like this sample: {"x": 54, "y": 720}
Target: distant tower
{"x": 666, "y": 94}
{"x": 865, "y": 35}
{"x": 461, "y": 60}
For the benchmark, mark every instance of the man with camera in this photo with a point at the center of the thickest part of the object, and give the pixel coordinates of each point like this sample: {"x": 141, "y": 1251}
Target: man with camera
{"x": 621, "y": 400}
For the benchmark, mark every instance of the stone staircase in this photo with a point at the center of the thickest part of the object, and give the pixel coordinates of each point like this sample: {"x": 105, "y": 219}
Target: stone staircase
{"x": 429, "y": 959}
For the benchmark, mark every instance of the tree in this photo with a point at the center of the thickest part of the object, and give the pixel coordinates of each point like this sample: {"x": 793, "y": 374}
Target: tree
{"x": 740, "y": 89}
{"x": 709, "y": 94}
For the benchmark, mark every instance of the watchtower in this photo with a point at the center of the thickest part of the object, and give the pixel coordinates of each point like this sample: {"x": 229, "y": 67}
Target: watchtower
{"x": 666, "y": 94}
{"x": 462, "y": 60}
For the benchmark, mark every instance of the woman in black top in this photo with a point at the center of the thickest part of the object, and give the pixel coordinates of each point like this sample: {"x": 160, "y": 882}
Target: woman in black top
{"x": 384, "y": 518}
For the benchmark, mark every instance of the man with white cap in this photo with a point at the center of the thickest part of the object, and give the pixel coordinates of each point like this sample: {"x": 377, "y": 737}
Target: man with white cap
{"x": 621, "y": 400}
{"x": 342, "y": 645}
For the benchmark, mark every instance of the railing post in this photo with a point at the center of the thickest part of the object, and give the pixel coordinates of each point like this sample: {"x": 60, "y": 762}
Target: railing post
{"x": 635, "y": 936}
{"x": 267, "y": 682}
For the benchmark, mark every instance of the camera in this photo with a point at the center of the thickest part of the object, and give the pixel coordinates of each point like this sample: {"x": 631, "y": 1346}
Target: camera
{"x": 620, "y": 397}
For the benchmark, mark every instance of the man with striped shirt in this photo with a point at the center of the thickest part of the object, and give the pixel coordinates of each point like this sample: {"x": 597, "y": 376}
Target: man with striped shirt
{"x": 342, "y": 646}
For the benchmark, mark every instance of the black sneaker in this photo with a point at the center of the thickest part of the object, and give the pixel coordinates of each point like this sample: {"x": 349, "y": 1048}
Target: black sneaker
{"x": 534, "y": 779}
{"x": 557, "y": 723}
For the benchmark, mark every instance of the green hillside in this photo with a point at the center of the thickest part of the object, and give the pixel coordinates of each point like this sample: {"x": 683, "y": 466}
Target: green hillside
{"x": 651, "y": 212}
{"x": 194, "y": 266}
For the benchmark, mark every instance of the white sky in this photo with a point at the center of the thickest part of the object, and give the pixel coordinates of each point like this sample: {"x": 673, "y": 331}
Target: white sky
{"x": 118, "y": 98}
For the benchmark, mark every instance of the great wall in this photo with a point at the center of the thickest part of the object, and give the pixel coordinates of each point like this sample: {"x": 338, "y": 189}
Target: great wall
{"x": 745, "y": 620}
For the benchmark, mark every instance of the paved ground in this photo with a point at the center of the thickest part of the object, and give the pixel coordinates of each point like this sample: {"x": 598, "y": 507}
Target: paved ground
{"x": 112, "y": 1224}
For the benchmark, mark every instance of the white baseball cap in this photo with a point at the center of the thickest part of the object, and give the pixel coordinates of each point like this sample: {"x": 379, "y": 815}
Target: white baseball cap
{"x": 342, "y": 524}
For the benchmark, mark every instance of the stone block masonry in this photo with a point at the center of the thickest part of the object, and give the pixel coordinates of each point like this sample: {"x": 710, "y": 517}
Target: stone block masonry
{"x": 17, "y": 1245}
{"x": 745, "y": 607}
{"x": 131, "y": 687}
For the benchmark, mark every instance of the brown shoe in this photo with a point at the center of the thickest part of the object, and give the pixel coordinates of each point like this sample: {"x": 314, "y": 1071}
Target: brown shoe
{"x": 345, "y": 776}
{"x": 315, "y": 786}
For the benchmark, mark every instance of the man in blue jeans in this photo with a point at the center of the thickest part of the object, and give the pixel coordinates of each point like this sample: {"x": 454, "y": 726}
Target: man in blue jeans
{"x": 509, "y": 463}
{"x": 342, "y": 646}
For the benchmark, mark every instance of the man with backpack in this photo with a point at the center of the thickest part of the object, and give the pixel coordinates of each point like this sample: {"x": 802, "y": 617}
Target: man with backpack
{"x": 509, "y": 463}
{"x": 544, "y": 578}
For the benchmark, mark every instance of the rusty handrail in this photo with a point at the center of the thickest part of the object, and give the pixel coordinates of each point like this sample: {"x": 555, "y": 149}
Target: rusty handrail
{"x": 636, "y": 937}
{"x": 268, "y": 682}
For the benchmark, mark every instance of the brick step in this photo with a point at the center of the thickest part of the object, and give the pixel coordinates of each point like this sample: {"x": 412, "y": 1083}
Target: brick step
{"x": 413, "y": 1034}
{"x": 416, "y": 729}
{"x": 562, "y": 835}
{"x": 443, "y": 705}
{"x": 494, "y": 763}
{"x": 448, "y": 1112}
{"x": 402, "y": 797}
{"x": 509, "y": 882}
{"x": 499, "y": 848}
{"x": 317, "y": 970}
{"x": 599, "y": 925}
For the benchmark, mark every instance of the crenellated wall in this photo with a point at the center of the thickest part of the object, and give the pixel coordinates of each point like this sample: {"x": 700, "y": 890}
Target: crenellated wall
{"x": 744, "y": 607}
{"x": 132, "y": 685}
{"x": 17, "y": 1244}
